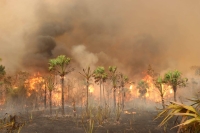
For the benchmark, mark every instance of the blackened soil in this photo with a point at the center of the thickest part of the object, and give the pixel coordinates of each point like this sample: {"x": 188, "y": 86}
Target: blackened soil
{"x": 132, "y": 121}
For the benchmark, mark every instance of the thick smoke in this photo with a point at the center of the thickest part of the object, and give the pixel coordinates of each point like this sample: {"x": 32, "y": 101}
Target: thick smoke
{"x": 84, "y": 57}
{"x": 128, "y": 34}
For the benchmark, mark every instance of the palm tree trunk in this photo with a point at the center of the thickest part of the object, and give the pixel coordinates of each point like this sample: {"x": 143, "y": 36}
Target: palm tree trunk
{"x": 174, "y": 89}
{"x": 104, "y": 99}
{"x": 50, "y": 101}
{"x": 119, "y": 96}
{"x": 100, "y": 93}
{"x": 114, "y": 98}
{"x": 108, "y": 97}
{"x": 87, "y": 86}
{"x": 163, "y": 102}
{"x": 45, "y": 97}
{"x": 68, "y": 92}
{"x": 74, "y": 107}
{"x": 62, "y": 97}
{"x": 123, "y": 95}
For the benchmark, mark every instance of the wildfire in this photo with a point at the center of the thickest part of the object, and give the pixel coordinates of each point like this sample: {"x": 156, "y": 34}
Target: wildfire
{"x": 56, "y": 95}
{"x": 35, "y": 83}
{"x": 152, "y": 92}
{"x": 91, "y": 89}
{"x": 147, "y": 94}
{"x": 127, "y": 112}
{"x": 131, "y": 87}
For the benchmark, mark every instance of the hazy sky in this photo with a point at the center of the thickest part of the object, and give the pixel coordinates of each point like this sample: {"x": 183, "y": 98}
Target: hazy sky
{"x": 129, "y": 34}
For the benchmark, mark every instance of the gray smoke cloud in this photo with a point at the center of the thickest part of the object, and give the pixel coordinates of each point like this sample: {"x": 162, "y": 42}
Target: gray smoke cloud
{"x": 84, "y": 57}
{"x": 128, "y": 34}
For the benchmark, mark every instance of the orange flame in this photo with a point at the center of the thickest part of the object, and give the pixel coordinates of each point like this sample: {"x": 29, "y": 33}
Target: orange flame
{"x": 91, "y": 89}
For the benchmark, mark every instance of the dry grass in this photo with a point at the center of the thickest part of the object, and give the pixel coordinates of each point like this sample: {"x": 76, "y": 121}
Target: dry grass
{"x": 11, "y": 124}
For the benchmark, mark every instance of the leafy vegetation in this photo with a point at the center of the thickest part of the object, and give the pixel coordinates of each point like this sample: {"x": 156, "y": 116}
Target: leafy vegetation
{"x": 142, "y": 86}
{"x": 60, "y": 66}
{"x": 190, "y": 116}
{"x": 16, "y": 89}
{"x": 100, "y": 77}
{"x": 87, "y": 74}
{"x": 174, "y": 78}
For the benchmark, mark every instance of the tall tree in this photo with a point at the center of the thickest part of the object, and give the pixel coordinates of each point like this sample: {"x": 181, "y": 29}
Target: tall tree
{"x": 113, "y": 77}
{"x": 50, "y": 85}
{"x": 87, "y": 74}
{"x": 174, "y": 78}
{"x": 2, "y": 71}
{"x": 100, "y": 77}
{"x": 61, "y": 67}
{"x": 159, "y": 85}
{"x": 2, "y": 76}
{"x": 123, "y": 80}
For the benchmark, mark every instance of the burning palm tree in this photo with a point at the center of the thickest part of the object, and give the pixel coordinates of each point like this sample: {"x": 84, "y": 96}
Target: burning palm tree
{"x": 61, "y": 66}
{"x": 174, "y": 79}
{"x": 159, "y": 85}
{"x": 123, "y": 80}
{"x": 87, "y": 75}
{"x": 113, "y": 77}
{"x": 100, "y": 77}
{"x": 142, "y": 86}
{"x": 50, "y": 86}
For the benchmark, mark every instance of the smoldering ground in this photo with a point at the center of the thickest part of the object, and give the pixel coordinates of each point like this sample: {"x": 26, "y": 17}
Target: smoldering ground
{"x": 128, "y": 34}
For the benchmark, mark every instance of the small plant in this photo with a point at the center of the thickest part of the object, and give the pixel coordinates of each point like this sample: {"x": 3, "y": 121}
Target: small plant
{"x": 56, "y": 114}
{"x": 99, "y": 116}
{"x": 74, "y": 107}
{"x": 106, "y": 112}
{"x": 31, "y": 116}
{"x": 89, "y": 127}
{"x": 88, "y": 120}
{"x": 10, "y": 124}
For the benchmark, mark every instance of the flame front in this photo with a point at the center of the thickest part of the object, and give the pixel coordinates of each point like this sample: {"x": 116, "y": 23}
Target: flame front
{"x": 152, "y": 92}
{"x": 91, "y": 89}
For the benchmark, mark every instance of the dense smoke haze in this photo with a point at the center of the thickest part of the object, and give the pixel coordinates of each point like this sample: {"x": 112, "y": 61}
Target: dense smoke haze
{"x": 128, "y": 34}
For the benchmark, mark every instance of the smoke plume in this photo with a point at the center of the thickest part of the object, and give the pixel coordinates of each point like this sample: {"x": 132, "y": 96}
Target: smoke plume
{"x": 128, "y": 34}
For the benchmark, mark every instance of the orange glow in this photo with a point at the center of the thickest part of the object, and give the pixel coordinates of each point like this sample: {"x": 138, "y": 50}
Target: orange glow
{"x": 35, "y": 83}
{"x": 152, "y": 92}
{"x": 131, "y": 87}
{"x": 91, "y": 89}
{"x": 147, "y": 94}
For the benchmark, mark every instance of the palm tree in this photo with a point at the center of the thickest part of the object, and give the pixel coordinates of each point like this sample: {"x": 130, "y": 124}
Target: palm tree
{"x": 100, "y": 77}
{"x": 2, "y": 71}
{"x": 2, "y": 74}
{"x": 123, "y": 80}
{"x": 50, "y": 85}
{"x": 159, "y": 85}
{"x": 142, "y": 86}
{"x": 113, "y": 77}
{"x": 174, "y": 79}
{"x": 61, "y": 66}
{"x": 87, "y": 75}
{"x": 45, "y": 95}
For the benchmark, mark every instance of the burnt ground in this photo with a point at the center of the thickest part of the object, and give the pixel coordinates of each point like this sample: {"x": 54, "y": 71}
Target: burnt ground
{"x": 136, "y": 121}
